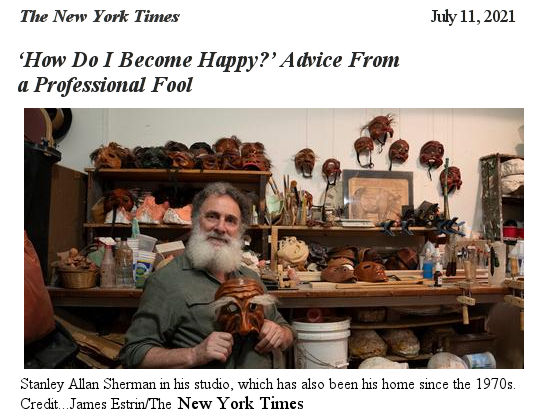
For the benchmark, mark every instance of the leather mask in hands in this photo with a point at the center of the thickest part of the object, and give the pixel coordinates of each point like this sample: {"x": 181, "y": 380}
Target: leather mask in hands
{"x": 239, "y": 306}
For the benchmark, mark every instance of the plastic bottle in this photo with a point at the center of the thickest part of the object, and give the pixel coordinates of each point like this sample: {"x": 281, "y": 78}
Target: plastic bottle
{"x": 428, "y": 266}
{"x": 438, "y": 274}
{"x": 108, "y": 268}
{"x": 124, "y": 266}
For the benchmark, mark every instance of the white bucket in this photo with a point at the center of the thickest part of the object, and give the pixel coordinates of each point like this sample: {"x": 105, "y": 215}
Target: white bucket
{"x": 322, "y": 345}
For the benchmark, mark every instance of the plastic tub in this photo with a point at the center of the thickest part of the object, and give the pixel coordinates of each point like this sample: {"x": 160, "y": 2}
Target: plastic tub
{"x": 146, "y": 243}
{"x": 322, "y": 345}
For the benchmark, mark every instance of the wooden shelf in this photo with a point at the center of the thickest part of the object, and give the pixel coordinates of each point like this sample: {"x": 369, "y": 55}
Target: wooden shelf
{"x": 421, "y": 321}
{"x": 188, "y": 175}
{"x": 159, "y": 226}
{"x": 380, "y": 296}
{"x": 318, "y": 229}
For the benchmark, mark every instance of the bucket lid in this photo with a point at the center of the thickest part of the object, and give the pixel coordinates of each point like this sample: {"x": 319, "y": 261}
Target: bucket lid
{"x": 333, "y": 324}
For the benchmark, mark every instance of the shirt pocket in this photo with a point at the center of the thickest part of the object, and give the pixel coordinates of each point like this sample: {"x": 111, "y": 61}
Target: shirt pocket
{"x": 201, "y": 320}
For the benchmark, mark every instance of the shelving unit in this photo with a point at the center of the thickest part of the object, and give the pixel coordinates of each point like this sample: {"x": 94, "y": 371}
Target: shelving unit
{"x": 103, "y": 180}
{"x": 497, "y": 207}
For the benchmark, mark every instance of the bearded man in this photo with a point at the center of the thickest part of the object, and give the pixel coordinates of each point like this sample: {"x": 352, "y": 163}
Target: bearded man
{"x": 174, "y": 326}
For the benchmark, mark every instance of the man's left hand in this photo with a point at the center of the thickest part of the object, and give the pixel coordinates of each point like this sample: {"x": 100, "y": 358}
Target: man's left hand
{"x": 273, "y": 336}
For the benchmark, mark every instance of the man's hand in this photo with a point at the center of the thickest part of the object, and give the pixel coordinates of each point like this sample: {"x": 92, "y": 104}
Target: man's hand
{"x": 273, "y": 336}
{"x": 217, "y": 346}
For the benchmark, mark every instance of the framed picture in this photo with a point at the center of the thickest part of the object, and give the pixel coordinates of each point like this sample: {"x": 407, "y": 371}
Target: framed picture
{"x": 376, "y": 195}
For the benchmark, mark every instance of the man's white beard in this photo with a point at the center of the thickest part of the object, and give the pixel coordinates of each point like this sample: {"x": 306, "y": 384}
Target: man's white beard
{"x": 218, "y": 258}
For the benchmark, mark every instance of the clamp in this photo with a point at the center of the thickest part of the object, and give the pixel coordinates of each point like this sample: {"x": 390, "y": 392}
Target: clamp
{"x": 466, "y": 299}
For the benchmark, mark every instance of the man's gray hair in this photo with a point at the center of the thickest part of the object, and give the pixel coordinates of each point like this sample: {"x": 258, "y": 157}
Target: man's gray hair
{"x": 219, "y": 189}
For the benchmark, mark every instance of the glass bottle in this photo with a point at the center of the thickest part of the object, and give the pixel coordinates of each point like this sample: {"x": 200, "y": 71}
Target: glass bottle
{"x": 123, "y": 266}
{"x": 108, "y": 268}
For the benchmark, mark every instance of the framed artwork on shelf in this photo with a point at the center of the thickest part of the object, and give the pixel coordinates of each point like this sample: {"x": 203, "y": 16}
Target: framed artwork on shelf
{"x": 376, "y": 196}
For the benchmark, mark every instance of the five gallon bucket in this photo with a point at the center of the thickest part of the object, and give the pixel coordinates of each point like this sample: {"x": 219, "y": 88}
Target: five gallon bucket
{"x": 322, "y": 345}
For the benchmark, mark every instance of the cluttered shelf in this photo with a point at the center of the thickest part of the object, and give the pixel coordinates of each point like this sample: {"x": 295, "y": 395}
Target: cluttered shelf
{"x": 189, "y": 175}
{"x": 299, "y": 298}
{"x": 161, "y": 226}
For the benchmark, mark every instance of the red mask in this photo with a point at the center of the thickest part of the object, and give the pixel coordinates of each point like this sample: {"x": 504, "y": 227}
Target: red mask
{"x": 227, "y": 143}
{"x": 379, "y": 128}
{"x": 332, "y": 170}
{"x": 364, "y": 145}
{"x": 239, "y": 303}
{"x": 432, "y": 153}
{"x": 398, "y": 152}
{"x": 454, "y": 179}
{"x": 118, "y": 198}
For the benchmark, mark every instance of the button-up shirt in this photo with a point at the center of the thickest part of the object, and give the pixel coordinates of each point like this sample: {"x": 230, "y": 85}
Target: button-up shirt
{"x": 175, "y": 312}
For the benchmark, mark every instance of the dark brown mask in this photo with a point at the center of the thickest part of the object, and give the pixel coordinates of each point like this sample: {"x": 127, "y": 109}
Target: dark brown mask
{"x": 113, "y": 156}
{"x": 206, "y": 161}
{"x": 371, "y": 272}
{"x": 256, "y": 162}
{"x": 174, "y": 146}
{"x": 250, "y": 149}
{"x": 227, "y": 144}
{"x": 454, "y": 179}
{"x": 398, "y": 152}
{"x": 182, "y": 160}
{"x": 305, "y": 160}
{"x": 364, "y": 145}
{"x": 431, "y": 155}
{"x": 231, "y": 159}
{"x": 200, "y": 148}
{"x": 379, "y": 128}
{"x": 332, "y": 170}
{"x": 119, "y": 197}
{"x": 152, "y": 158}
{"x": 238, "y": 309}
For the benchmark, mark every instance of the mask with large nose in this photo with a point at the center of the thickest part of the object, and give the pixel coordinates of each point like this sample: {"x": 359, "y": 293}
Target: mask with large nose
{"x": 239, "y": 304}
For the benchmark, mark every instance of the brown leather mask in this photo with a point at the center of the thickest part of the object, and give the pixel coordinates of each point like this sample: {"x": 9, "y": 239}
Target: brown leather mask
{"x": 238, "y": 311}
{"x": 256, "y": 162}
{"x": 371, "y": 272}
{"x": 227, "y": 143}
{"x": 398, "y": 152}
{"x": 249, "y": 149}
{"x": 332, "y": 170}
{"x": 379, "y": 128}
{"x": 431, "y": 155}
{"x": 305, "y": 160}
{"x": 182, "y": 160}
{"x": 338, "y": 274}
{"x": 119, "y": 197}
{"x": 454, "y": 179}
{"x": 364, "y": 145}
{"x": 174, "y": 146}
{"x": 231, "y": 159}
{"x": 200, "y": 148}
{"x": 206, "y": 161}
{"x": 113, "y": 156}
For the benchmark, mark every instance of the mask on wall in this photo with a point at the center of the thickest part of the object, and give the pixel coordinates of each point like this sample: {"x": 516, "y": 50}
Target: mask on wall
{"x": 364, "y": 145}
{"x": 239, "y": 306}
{"x": 380, "y": 128}
{"x": 454, "y": 179}
{"x": 431, "y": 155}
{"x": 305, "y": 160}
{"x": 398, "y": 152}
{"x": 332, "y": 170}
